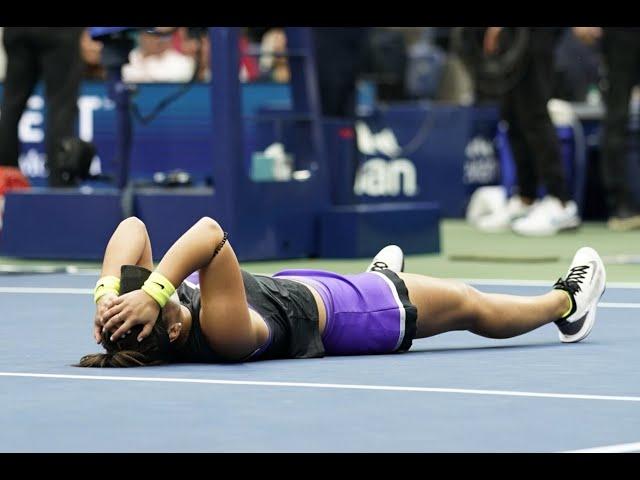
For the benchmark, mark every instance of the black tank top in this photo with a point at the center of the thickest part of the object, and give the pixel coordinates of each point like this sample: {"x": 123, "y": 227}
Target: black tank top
{"x": 288, "y": 308}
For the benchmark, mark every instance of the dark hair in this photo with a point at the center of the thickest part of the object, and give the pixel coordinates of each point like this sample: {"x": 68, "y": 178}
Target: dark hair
{"x": 155, "y": 349}
{"x": 128, "y": 352}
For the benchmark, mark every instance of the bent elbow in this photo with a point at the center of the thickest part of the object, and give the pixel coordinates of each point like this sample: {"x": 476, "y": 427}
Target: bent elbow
{"x": 133, "y": 221}
{"x": 211, "y": 226}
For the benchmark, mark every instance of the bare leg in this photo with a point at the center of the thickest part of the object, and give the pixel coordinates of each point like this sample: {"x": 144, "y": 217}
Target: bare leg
{"x": 445, "y": 305}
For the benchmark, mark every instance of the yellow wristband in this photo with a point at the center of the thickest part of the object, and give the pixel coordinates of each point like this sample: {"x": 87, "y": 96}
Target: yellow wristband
{"x": 158, "y": 288}
{"x": 105, "y": 285}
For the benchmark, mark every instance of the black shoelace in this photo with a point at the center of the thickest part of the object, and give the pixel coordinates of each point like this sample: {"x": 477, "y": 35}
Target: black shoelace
{"x": 571, "y": 284}
{"x": 377, "y": 266}
{"x": 573, "y": 281}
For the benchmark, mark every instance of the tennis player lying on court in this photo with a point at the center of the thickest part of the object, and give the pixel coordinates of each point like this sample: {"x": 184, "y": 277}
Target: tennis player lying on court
{"x": 233, "y": 316}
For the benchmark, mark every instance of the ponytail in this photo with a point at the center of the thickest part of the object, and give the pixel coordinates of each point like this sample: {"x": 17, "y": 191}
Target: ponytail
{"x": 121, "y": 359}
{"x": 128, "y": 352}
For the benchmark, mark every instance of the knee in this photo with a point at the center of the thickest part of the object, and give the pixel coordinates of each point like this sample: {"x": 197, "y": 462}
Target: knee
{"x": 474, "y": 307}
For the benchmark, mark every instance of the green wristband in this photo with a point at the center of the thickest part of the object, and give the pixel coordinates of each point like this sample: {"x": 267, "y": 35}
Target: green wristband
{"x": 158, "y": 288}
{"x": 108, "y": 284}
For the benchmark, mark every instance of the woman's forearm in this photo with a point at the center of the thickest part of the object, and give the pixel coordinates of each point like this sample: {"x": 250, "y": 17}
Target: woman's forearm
{"x": 127, "y": 246}
{"x": 192, "y": 251}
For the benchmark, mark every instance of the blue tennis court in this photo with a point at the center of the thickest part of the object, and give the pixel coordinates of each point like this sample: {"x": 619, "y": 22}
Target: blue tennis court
{"x": 452, "y": 393}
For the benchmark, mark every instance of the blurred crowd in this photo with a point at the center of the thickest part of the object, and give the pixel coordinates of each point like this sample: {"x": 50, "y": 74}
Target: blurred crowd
{"x": 518, "y": 68}
{"x": 403, "y": 62}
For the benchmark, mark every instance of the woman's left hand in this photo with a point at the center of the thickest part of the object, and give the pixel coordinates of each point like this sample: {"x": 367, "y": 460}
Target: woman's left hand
{"x": 128, "y": 310}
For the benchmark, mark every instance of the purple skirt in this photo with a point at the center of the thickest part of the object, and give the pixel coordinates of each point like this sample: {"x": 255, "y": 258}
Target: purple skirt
{"x": 367, "y": 313}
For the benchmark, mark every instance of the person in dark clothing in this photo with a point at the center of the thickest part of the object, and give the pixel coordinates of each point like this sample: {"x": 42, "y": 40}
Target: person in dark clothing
{"x": 53, "y": 55}
{"x": 151, "y": 317}
{"x": 255, "y": 34}
{"x": 621, "y": 56}
{"x": 533, "y": 141}
{"x": 340, "y": 54}
{"x": 387, "y": 61}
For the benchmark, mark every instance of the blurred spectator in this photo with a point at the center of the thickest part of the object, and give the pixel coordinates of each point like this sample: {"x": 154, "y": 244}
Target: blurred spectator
{"x": 249, "y": 66}
{"x": 91, "y": 52}
{"x": 155, "y": 60}
{"x": 456, "y": 84}
{"x": 426, "y": 62}
{"x": 621, "y": 56}
{"x": 254, "y": 34}
{"x": 578, "y": 70}
{"x": 195, "y": 43}
{"x": 533, "y": 139}
{"x": 387, "y": 60}
{"x": 3, "y": 58}
{"x": 52, "y": 54}
{"x": 340, "y": 54}
{"x": 274, "y": 67}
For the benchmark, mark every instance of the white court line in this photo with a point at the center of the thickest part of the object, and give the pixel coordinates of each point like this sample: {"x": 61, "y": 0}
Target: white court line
{"x": 86, "y": 273}
{"x": 88, "y": 291}
{"x": 60, "y": 291}
{"x": 499, "y": 282}
{"x": 476, "y": 281}
{"x": 622, "y": 448}
{"x": 618, "y": 305}
{"x": 339, "y": 386}
{"x": 533, "y": 283}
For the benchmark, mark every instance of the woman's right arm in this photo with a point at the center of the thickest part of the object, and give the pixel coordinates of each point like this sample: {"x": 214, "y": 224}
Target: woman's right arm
{"x": 129, "y": 245}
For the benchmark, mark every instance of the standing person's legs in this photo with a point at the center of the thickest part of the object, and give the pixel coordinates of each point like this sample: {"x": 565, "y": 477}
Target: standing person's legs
{"x": 555, "y": 212}
{"x": 527, "y": 178}
{"x": 62, "y": 70}
{"x": 522, "y": 198}
{"x": 20, "y": 80}
{"x": 530, "y": 104}
{"x": 620, "y": 54}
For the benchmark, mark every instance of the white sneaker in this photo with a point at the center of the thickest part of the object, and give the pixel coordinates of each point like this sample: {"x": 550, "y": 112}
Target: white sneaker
{"x": 484, "y": 201}
{"x": 585, "y": 284}
{"x": 390, "y": 257}
{"x": 548, "y": 217}
{"x": 502, "y": 219}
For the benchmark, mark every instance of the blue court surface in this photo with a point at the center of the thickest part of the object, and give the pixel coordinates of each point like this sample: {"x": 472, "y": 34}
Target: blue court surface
{"x": 452, "y": 393}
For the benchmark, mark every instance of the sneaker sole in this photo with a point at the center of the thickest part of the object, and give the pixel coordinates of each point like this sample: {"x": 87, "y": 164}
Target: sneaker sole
{"x": 588, "y": 323}
{"x": 586, "y": 327}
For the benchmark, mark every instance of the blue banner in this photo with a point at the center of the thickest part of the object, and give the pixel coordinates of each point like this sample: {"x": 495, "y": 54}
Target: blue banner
{"x": 178, "y": 138}
{"x": 414, "y": 153}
